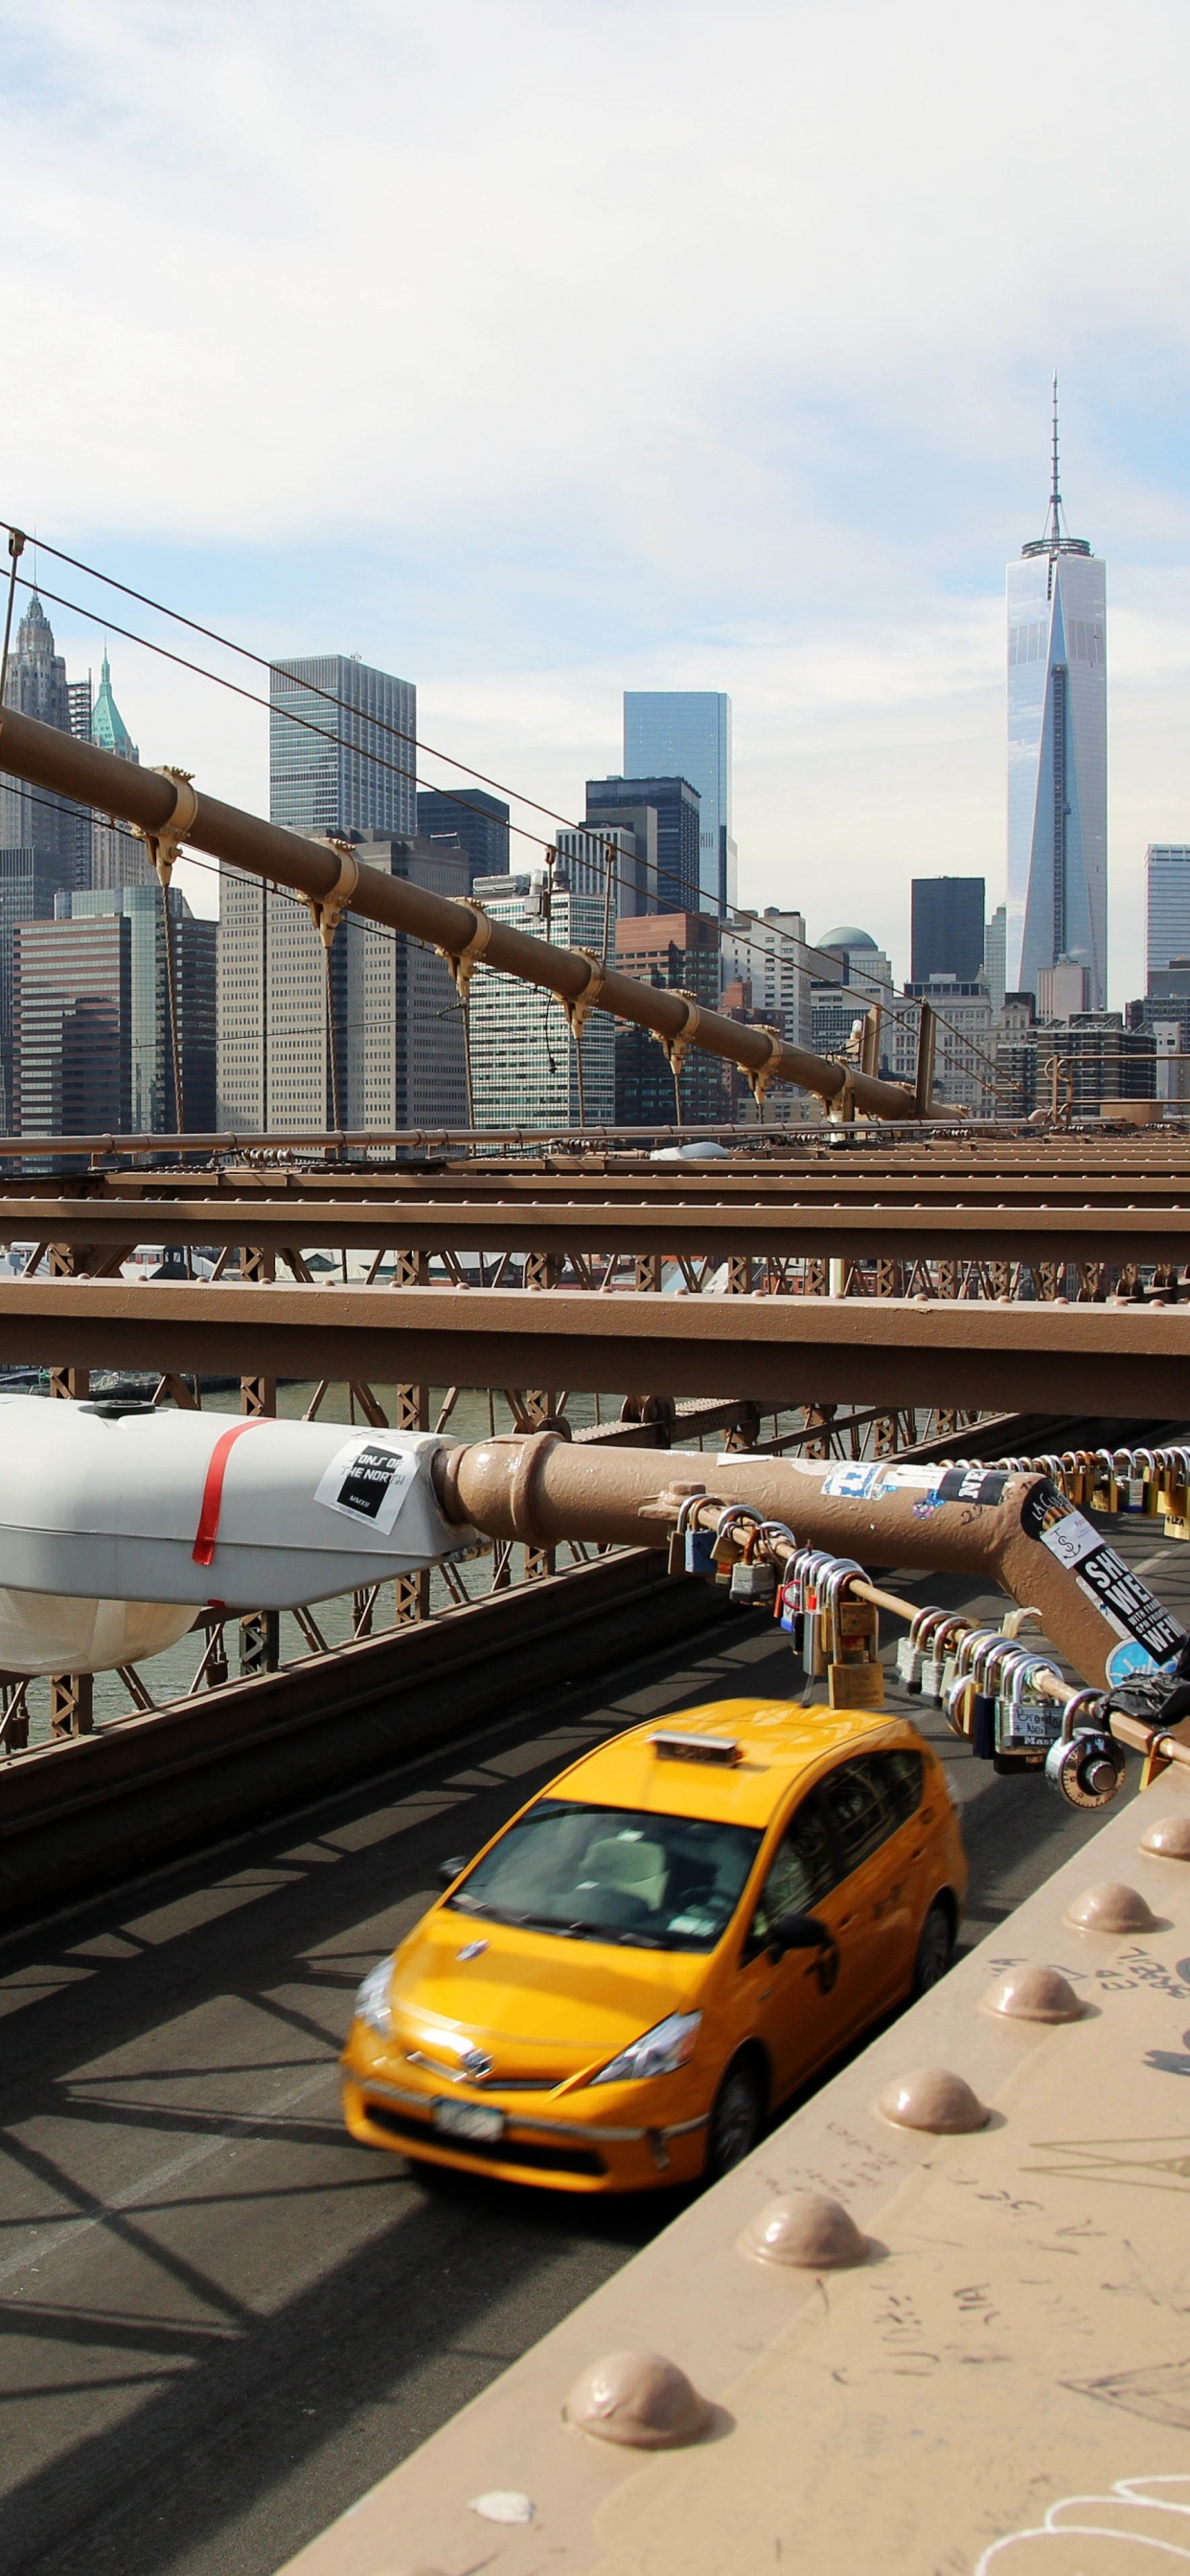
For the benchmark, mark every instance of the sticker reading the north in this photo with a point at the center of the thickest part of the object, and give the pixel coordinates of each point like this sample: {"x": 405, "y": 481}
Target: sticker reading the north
{"x": 368, "y": 1481}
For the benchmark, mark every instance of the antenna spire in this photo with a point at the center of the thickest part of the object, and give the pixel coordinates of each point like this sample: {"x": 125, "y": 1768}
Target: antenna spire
{"x": 1054, "y": 526}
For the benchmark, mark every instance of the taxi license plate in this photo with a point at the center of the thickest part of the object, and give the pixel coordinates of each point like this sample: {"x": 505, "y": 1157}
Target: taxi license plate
{"x": 468, "y": 2120}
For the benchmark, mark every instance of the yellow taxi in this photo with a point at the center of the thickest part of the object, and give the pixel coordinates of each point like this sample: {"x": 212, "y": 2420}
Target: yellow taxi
{"x": 660, "y": 1948}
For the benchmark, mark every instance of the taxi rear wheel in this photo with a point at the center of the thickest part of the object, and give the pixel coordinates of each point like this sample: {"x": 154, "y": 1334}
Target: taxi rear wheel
{"x": 935, "y": 1947}
{"x": 736, "y": 2116}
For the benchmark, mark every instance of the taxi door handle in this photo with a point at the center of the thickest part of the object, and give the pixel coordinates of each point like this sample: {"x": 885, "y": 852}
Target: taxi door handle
{"x": 845, "y": 1922}
{"x": 919, "y": 1854}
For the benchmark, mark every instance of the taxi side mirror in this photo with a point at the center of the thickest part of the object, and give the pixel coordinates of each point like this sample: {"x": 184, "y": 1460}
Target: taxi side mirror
{"x": 449, "y": 1870}
{"x": 799, "y": 1932}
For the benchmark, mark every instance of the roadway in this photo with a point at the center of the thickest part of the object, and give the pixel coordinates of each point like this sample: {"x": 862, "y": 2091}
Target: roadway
{"x": 222, "y": 2320}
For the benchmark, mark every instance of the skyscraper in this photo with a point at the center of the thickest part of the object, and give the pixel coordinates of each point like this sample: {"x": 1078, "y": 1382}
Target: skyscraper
{"x": 686, "y": 733}
{"x": 118, "y": 858}
{"x": 633, "y": 825}
{"x": 677, "y": 952}
{"x": 676, "y": 805}
{"x": 389, "y": 1052}
{"x": 947, "y": 928}
{"x": 45, "y": 841}
{"x": 477, "y": 821}
{"x": 527, "y": 1069}
{"x": 1057, "y": 755}
{"x": 1167, "y": 908}
{"x": 341, "y": 747}
{"x": 147, "y": 1035}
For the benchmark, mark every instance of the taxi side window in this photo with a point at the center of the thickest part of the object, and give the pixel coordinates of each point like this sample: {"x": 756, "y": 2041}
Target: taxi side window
{"x": 906, "y": 1776}
{"x": 800, "y": 1874}
{"x": 868, "y": 1799}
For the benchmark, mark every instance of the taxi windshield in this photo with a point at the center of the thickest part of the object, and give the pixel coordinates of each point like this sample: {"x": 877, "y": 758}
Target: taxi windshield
{"x": 613, "y": 1874}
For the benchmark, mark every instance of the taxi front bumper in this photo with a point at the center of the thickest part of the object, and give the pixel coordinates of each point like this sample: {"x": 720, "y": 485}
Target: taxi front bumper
{"x": 564, "y": 2154}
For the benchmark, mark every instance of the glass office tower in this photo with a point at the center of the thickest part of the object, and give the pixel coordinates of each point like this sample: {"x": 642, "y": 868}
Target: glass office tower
{"x": 1167, "y": 881}
{"x": 1057, "y": 757}
{"x": 686, "y": 733}
{"x": 341, "y": 747}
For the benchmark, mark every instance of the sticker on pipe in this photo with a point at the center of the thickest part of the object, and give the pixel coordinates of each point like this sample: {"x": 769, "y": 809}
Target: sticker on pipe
{"x": 368, "y": 1482}
{"x": 855, "y": 1480}
{"x": 973, "y": 1484}
{"x": 1126, "y": 1603}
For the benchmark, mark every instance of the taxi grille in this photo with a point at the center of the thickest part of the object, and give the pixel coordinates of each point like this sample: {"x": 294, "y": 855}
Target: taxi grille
{"x": 501, "y": 2151}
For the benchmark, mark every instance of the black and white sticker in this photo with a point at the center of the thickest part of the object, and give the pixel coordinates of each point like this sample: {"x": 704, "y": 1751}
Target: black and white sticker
{"x": 973, "y": 1484}
{"x": 368, "y": 1481}
{"x": 1127, "y": 1604}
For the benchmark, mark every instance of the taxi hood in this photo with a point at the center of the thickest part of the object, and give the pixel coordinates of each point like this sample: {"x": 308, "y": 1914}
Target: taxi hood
{"x": 540, "y": 2004}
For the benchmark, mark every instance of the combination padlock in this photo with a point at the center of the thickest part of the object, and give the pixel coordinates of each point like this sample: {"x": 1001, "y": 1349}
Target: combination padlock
{"x": 1086, "y": 1765}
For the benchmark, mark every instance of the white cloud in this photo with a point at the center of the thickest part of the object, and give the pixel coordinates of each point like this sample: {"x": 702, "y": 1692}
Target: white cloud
{"x": 588, "y": 343}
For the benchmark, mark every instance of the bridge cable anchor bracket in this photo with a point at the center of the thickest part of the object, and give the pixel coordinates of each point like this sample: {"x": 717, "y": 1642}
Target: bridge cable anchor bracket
{"x": 578, "y": 1011}
{"x": 327, "y": 910}
{"x": 759, "y": 1076}
{"x": 676, "y": 1044}
{"x": 163, "y": 840}
{"x": 463, "y": 961}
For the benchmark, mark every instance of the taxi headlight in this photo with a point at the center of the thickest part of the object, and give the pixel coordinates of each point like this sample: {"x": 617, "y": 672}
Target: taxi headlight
{"x": 372, "y": 2001}
{"x": 660, "y": 2052}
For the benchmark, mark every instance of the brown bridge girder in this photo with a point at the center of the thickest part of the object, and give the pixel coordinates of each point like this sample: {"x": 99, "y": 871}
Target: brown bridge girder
{"x": 775, "y": 1351}
{"x": 848, "y": 1183}
{"x": 1020, "y": 1234}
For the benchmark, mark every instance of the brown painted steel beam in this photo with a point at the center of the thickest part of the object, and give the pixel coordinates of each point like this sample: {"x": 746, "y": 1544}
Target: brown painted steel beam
{"x": 775, "y": 1351}
{"x": 850, "y": 1185}
{"x": 897, "y": 1232}
{"x": 148, "y": 799}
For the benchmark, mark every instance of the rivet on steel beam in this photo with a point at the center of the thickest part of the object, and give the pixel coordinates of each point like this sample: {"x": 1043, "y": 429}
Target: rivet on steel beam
{"x": 1168, "y": 1839}
{"x": 638, "y": 2398}
{"x": 806, "y": 2231}
{"x": 1111, "y": 1907}
{"x": 932, "y": 2098}
{"x": 1034, "y": 1993}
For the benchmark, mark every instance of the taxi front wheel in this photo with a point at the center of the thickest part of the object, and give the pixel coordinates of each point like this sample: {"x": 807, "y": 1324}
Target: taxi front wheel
{"x": 736, "y": 2116}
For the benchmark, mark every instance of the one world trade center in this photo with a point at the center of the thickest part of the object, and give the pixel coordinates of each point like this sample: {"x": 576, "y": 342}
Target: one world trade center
{"x": 1057, "y": 757}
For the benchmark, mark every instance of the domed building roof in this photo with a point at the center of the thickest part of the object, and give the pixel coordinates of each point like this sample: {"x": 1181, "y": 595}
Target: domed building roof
{"x": 847, "y": 938}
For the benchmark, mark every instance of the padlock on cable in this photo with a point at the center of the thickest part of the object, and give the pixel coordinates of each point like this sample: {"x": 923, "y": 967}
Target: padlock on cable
{"x": 933, "y": 1658}
{"x": 954, "y": 1636}
{"x": 813, "y": 1659}
{"x": 781, "y": 1546}
{"x": 728, "y": 1549}
{"x": 1177, "y": 1493}
{"x": 796, "y": 1593}
{"x": 959, "y": 1692}
{"x": 986, "y": 1664}
{"x": 1086, "y": 1765}
{"x": 697, "y": 1545}
{"x": 753, "y": 1577}
{"x": 1151, "y": 1501}
{"x": 909, "y": 1650}
{"x": 1026, "y": 1722}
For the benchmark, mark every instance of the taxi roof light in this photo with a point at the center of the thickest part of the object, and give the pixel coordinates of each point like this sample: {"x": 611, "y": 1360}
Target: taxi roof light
{"x": 672, "y": 1746}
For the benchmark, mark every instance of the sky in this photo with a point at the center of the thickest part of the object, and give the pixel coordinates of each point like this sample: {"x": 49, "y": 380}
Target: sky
{"x": 536, "y": 349}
